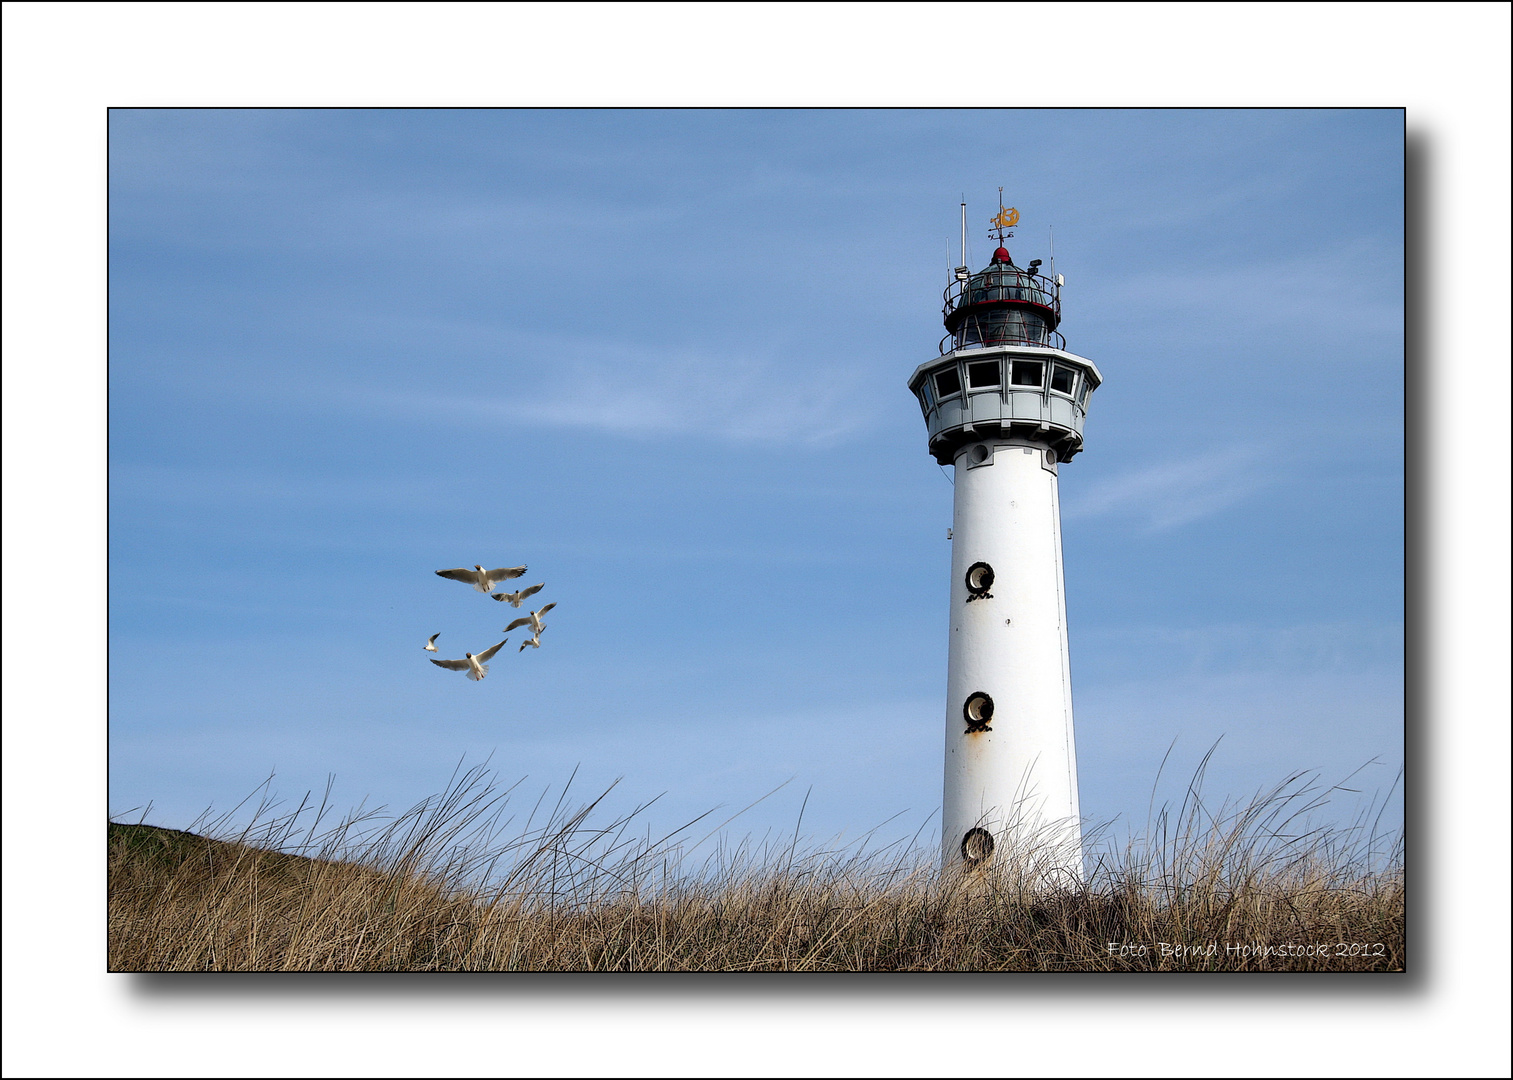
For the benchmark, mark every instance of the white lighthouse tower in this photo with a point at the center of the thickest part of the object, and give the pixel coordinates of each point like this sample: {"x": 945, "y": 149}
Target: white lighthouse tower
{"x": 1004, "y": 403}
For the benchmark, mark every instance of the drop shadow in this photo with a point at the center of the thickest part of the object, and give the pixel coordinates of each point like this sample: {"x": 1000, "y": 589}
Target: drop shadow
{"x": 701, "y": 988}
{"x": 1422, "y": 448}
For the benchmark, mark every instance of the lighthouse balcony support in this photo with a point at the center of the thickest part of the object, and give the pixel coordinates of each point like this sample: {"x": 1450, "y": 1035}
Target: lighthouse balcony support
{"x": 1021, "y": 392}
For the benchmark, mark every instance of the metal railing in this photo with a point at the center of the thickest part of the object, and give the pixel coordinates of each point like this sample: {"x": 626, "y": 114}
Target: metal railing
{"x": 1003, "y": 286}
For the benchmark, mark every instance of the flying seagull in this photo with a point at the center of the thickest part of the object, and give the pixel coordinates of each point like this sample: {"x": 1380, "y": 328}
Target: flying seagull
{"x": 476, "y": 666}
{"x": 533, "y": 620}
{"x": 533, "y": 642}
{"x": 514, "y": 598}
{"x": 430, "y": 646}
{"x": 481, "y": 579}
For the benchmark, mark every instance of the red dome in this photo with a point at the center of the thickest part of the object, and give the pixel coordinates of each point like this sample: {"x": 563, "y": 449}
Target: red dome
{"x": 1001, "y": 255}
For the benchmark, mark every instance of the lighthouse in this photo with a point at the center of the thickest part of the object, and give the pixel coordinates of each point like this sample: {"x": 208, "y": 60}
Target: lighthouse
{"x": 1004, "y": 403}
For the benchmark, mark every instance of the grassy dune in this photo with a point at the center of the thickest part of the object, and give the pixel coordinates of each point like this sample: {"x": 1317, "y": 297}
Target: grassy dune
{"x": 441, "y": 889}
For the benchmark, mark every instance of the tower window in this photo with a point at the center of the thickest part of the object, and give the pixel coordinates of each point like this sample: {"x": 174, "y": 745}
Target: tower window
{"x": 978, "y": 712}
{"x": 976, "y": 847}
{"x": 1028, "y": 373}
{"x": 1062, "y": 379}
{"x": 983, "y": 374}
{"x": 1083, "y": 391}
{"x": 947, "y": 382}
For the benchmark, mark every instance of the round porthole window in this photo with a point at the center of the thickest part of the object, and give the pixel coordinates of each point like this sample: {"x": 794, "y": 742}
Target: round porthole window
{"x": 978, "y": 712}
{"x": 979, "y": 453}
{"x": 976, "y": 847}
{"x": 979, "y": 580}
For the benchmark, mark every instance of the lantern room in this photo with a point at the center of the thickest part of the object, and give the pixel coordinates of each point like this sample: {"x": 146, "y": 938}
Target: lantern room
{"x": 1003, "y": 305}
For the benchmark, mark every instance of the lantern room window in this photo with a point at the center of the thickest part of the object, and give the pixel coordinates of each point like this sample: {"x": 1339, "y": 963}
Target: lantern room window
{"x": 947, "y": 382}
{"x": 1062, "y": 379}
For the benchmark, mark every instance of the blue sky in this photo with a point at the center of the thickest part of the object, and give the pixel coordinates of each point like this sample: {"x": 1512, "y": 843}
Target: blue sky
{"x": 660, "y": 357}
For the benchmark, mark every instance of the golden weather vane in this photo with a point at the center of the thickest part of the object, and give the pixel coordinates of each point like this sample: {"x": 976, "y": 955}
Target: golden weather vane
{"x": 1006, "y": 219}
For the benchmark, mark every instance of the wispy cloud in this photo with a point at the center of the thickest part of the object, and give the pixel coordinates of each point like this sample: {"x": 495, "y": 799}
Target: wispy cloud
{"x": 1179, "y": 651}
{"x": 1352, "y": 290}
{"x": 1170, "y": 494}
{"x": 724, "y": 399}
{"x": 135, "y": 484}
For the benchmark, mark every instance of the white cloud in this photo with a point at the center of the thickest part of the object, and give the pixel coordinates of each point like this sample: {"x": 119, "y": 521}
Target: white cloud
{"x": 1352, "y": 290}
{"x": 1182, "y": 651}
{"x": 725, "y": 399}
{"x": 1170, "y": 494}
{"x": 135, "y": 485}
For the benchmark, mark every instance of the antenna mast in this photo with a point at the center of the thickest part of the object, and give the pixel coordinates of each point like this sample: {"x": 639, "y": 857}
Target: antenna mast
{"x": 964, "y": 231}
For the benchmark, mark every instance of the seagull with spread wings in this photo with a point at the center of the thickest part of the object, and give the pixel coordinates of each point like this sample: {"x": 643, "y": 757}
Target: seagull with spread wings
{"x": 514, "y": 598}
{"x": 533, "y": 620}
{"x": 476, "y": 666}
{"x": 430, "y": 646}
{"x": 481, "y": 579}
{"x": 533, "y": 642}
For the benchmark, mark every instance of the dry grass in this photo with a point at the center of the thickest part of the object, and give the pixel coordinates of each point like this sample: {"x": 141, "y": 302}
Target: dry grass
{"x": 440, "y": 889}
